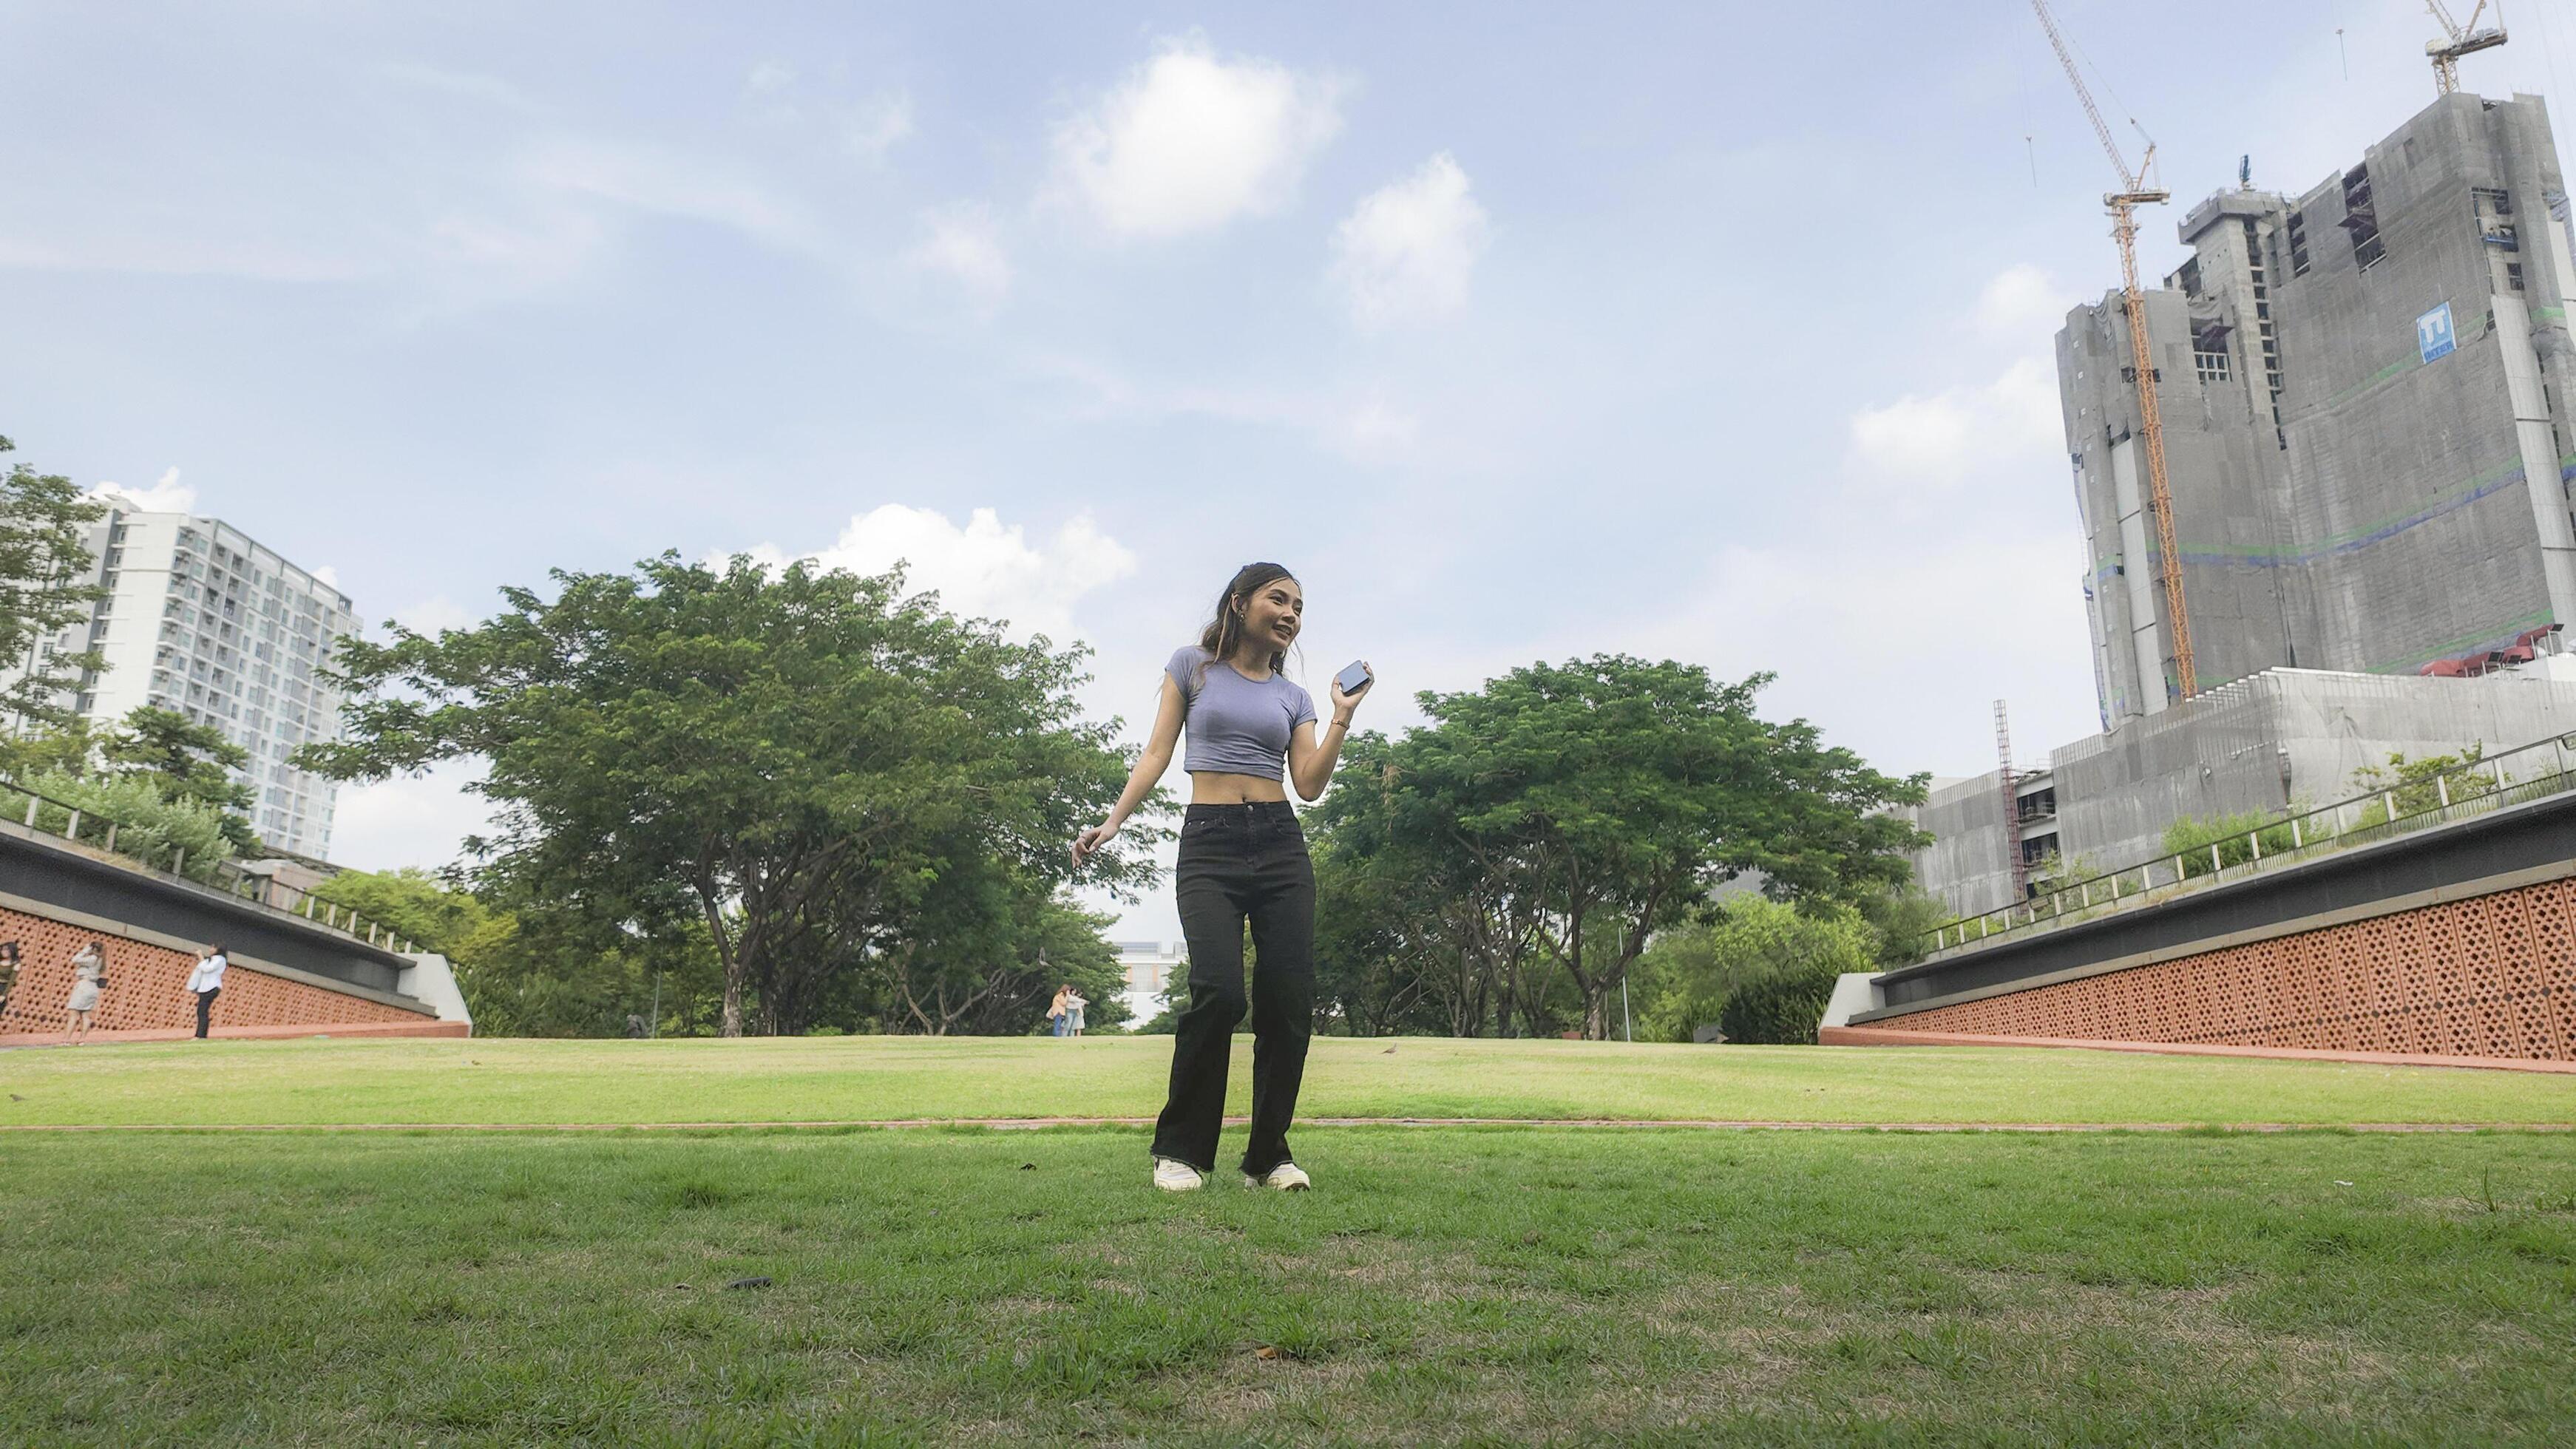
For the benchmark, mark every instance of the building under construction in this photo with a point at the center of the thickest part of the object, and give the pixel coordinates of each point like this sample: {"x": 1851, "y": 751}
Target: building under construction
{"x": 2365, "y": 395}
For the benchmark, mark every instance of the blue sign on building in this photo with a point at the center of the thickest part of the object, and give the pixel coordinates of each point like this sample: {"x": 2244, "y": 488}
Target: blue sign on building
{"x": 2433, "y": 336}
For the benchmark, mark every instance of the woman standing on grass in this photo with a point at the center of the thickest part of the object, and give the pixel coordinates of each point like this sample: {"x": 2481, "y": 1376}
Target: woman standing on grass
{"x": 206, "y": 982}
{"x": 89, "y": 976}
{"x": 1243, "y": 858}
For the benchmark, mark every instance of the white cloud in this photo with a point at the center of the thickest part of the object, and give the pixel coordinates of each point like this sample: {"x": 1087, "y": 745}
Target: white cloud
{"x": 1363, "y": 427}
{"x": 869, "y": 128}
{"x": 1406, "y": 253}
{"x": 1188, "y": 142}
{"x": 2022, "y": 302}
{"x": 433, "y": 614}
{"x": 874, "y": 127}
{"x": 403, "y": 821}
{"x": 963, "y": 246}
{"x": 1900, "y": 642}
{"x": 670, "y": 184}
{"x": 1939, "y": 440}
{"x": 982, "y": 569}
{"x": 167, "y": 496}
{"x": 327, "y": 576}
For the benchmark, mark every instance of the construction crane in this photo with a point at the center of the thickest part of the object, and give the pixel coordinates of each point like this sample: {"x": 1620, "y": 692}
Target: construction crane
{"x": 2123, "y": 203}
{"x": 2464, "y": 40}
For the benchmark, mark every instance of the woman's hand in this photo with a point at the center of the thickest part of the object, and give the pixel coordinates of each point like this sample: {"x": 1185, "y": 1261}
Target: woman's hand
{"x": 1092, "y": 839}
{"x": 1343, "y": 704}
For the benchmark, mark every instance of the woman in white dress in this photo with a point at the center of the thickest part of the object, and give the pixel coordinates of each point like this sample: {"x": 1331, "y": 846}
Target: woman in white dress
{"x": 89, "y": 976}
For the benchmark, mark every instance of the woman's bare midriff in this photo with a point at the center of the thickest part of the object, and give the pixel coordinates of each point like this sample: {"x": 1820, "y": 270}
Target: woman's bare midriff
{"x": 1215, "y": 789}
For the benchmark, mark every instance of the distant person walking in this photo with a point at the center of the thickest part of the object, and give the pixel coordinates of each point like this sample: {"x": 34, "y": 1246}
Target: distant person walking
{"x": 89, "y": 977}
{"x": 1243, "y": 858}
{"x": 207, "y": 983}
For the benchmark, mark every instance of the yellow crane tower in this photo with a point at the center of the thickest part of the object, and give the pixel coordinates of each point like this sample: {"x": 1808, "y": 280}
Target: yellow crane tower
{"x": 2464, "y": 40}
{"x": 2123, "y": 205}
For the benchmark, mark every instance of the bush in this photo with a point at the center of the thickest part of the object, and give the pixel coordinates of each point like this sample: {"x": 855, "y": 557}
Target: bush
{"x": 2191, "y": 839}
{"x": 1750, "y": 970}
{"x": 148, "y": 827}
{"x": 1783, "y": 1008}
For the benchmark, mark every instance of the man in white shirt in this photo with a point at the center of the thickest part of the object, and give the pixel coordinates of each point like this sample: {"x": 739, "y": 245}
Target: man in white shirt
{"x": 206, "y": 982}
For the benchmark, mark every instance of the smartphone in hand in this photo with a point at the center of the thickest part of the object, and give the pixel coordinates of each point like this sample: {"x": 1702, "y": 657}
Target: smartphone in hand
{"x": 1352, "y": 677}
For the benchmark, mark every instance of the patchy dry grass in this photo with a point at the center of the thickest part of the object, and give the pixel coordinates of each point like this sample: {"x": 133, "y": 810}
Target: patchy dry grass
{"x": 1440, "y": 1286}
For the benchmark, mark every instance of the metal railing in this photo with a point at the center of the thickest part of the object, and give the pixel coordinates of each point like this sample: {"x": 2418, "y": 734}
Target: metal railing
{"x": 2528, "y": 772}
{"x": 46, "y": 815}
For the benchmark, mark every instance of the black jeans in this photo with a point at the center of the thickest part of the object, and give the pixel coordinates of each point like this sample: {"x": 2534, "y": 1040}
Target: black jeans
{"x": 206, "y": 1004}
{"x": 1239, "y": 863}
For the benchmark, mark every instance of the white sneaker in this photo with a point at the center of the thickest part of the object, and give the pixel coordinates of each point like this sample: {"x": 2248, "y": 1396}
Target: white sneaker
{"x": 1286, "y": 1177}
{"x": 1173, "y": 1176}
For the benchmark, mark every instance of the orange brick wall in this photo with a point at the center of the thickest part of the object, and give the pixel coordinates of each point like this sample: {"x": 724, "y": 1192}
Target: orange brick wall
{"x": 147, "y": 987}
{"x": 2491, "y": 976}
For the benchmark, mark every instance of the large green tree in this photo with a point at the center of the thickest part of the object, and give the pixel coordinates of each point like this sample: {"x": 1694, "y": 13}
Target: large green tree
{"x": 44, "y": 567}
{"x": 1567, "y": 813}
{"x": 780, "y": 753}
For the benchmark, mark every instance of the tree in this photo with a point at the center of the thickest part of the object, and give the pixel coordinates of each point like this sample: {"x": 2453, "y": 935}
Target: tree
{"x": 187, "y": 761}
{"x": 418, "y": 907}
{"x": 67, "y": 748}
{"x": 43, "y": 557}
{"x": 780, "y": 755}
{"x": 1410, "y": 932}
{"x": 1751, "y": 967}
{"x": 1611, "y": 792}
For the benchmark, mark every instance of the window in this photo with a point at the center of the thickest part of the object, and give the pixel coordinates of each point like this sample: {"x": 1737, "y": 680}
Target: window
{"x": 2212, "y": 366}
{"x": 2298, "y": 244}
{"x": 2361, "y": 219}
{"x": 2513, "y": 275}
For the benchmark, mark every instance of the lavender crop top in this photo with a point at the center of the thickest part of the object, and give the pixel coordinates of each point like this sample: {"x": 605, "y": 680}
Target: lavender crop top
{"x": 1237, "y": 726}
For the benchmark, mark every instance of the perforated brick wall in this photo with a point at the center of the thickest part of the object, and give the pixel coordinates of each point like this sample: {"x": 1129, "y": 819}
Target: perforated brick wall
{"x": 147, "y": 987}
{"x": 2491, "y": 976}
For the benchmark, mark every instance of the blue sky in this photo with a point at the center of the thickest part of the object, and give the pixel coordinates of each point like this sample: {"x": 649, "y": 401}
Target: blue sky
{"x": 1519, "y": 331}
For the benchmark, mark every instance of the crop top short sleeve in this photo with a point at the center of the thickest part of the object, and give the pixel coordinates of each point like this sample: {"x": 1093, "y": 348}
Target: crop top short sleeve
{"x": 1237, "y": 726}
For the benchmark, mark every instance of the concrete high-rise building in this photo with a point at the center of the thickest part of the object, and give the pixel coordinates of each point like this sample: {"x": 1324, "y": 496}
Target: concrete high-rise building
{"x": 2366, "y": 394}
{"x": 202, "y": 620}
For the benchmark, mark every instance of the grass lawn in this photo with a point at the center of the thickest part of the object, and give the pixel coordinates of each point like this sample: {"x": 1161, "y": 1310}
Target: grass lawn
{"x": 850, "y": 1078}
{"x": 1456, "y": 1284}
{"x": 1443, "y": 1285}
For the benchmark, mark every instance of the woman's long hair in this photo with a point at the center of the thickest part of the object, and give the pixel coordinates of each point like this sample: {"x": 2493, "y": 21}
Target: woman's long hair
{"x": 1225, "y": 631}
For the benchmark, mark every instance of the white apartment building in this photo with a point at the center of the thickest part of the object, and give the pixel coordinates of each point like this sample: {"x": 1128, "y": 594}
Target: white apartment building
{"x": 200, "y": 619}
{"x": 1150, "y": 967}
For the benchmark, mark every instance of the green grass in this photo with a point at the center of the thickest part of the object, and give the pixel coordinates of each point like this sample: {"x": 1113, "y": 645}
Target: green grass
{"x": 1482, "y": 1285}
{"x": 1450, "y": 1285}
{"x": 875, "y": 1078}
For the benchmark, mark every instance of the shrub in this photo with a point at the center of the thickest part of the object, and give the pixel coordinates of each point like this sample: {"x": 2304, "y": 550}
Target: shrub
{"x": 1761, "y": 970}
{"x": 148, "y": 827}
{"x": 1783, "y": 1008}
{"x": 2192, "y": 839}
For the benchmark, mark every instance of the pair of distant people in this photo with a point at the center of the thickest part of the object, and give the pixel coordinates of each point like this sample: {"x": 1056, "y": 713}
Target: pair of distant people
{"x": 1066, "y": 1010}
{"x": 89, "y": 983}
